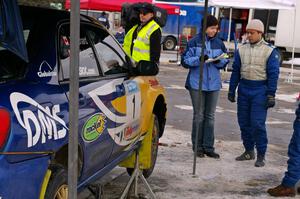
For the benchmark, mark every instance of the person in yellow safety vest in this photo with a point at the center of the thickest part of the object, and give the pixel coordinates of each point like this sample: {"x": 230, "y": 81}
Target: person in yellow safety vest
{"x": 142, "y": 41}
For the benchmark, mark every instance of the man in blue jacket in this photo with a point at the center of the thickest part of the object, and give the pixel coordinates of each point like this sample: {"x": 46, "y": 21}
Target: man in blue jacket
{"x": 255, "y": 72}
{"x": 204, "y": 113}
{"x": 288, "y": 186}
{"x": 104, "y": 20}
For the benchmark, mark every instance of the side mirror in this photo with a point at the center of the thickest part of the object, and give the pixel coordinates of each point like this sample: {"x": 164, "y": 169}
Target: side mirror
{"x": 146, "y": 68}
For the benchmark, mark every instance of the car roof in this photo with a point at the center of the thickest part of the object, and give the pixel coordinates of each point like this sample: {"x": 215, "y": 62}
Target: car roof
{"x": 49, "y": 14}
{"x": 43, "y": 13}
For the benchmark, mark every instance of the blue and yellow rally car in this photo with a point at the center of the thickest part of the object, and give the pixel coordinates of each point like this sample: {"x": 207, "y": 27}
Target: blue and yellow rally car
{"x": 121, "y": 107}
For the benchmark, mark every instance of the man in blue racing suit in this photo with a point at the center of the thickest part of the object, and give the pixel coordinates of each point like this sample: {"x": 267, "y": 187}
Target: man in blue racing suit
{"x": 288, "y": 185}
{"x": 255, "y": 73}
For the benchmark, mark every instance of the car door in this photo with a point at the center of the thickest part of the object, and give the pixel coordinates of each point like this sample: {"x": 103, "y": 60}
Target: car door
{"x": 93, "y": 123}
{"x": 124, "y": 92}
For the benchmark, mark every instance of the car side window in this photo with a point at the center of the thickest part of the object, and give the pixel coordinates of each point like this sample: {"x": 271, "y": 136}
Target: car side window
{"x": 87, "y": 63}
{"x": 110, "y": 54}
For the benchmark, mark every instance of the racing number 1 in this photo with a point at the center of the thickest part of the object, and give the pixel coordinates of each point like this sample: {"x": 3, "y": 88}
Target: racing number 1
{"x": 133, "y": 101}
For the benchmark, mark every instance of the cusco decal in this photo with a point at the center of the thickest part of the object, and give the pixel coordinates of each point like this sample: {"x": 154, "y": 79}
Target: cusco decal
{"x": 44, "y": 120}
{"x": 133, "y": 108}
{"x": 94, "y": 127}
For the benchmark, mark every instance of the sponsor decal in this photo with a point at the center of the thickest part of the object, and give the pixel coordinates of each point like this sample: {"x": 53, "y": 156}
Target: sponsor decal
{"x": 131, "y": 87}
{"x": 94, "y": 127}
{"x": 153, "y": 82}
{"x": 127, "y": 133}
{"x": 84, "y": 71}
{"x": 46, "y": 70}
{"x": 41, "y": 123}
{"x": 133, "y": 109}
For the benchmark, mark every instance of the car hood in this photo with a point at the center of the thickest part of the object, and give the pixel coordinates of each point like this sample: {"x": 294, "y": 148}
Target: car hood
{"x": 11, "y": 29}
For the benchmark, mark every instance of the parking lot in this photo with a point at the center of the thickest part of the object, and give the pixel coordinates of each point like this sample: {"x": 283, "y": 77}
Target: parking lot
{"x": 224, "y": 178}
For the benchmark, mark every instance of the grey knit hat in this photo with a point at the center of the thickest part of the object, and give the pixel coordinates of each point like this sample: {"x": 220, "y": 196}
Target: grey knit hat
{"x": 256, "y": 24}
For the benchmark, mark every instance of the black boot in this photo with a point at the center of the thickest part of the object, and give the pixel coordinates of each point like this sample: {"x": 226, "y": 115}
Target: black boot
{"x": 247, "y": 155}
{"x": 212, "y": 154}
{"x": 260, "y": 162}
{"x": 200, "y": 154}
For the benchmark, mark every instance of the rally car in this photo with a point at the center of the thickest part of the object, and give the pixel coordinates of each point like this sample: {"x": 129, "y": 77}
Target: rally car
{"x": 120, "y": 104}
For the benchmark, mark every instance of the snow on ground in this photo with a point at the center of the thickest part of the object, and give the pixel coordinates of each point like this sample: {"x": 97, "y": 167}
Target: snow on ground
{"x": 287, "y": 97}
{"x": 175, "y": 87}
{"x": 223, "y": 178}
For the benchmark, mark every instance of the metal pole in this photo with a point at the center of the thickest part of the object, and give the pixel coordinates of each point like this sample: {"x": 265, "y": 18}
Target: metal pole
{"x": 250, "y": 17}
{"x": 217, "y": 12}
{"x": 267, "y": 25}
{"x": 229, "y": 26}
{"x": 178, "y": 39}
{"x": 293, "y": 52}
{"x": 200, "y": 83}
{"x": 73, "y": 97}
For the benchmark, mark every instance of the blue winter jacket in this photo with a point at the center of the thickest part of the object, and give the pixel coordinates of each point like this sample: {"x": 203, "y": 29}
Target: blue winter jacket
{"x": 191, "y": 59}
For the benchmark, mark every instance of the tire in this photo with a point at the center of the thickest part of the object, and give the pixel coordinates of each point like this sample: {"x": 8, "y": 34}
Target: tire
{"x": 154, "y": 150}
{"x": 169, "y": 43}
{"x": 57, "y": 187}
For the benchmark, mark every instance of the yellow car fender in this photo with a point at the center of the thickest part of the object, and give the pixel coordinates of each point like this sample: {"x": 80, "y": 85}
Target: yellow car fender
{"x": 144, "y": 151}
{"x": 45, "y": 184}
{"x": 150, "y": 91}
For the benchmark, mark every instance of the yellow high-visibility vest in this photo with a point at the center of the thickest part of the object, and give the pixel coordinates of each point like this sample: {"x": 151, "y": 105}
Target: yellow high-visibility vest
{"x": 141, "y": 45}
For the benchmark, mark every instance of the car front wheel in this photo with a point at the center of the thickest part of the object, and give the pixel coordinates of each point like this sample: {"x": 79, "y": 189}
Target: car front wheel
{"x": 57, "y": 187}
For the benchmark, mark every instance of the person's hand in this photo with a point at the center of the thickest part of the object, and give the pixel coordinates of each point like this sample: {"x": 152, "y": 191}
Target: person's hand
{"x": 205, "y": 58}
{"x": 270, "y": 101}
{"x": 231, "y": 97}
{"x": 216, "y": 62}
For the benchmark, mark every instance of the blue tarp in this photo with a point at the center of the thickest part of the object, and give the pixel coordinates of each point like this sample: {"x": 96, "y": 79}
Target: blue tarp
{"x": 11, "y": 29}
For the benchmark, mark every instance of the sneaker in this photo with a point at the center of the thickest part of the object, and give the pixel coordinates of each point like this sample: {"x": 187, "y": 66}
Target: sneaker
{"x": 282, "y": 191}
{"x": 247, "y": 155}
{"x": 212, "y": 154}
{"x": 260, "y": 161}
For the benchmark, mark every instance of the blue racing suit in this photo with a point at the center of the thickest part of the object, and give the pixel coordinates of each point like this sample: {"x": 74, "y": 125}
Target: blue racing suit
{"x": 255, "y": 72}
{"x": 292, "y": 176}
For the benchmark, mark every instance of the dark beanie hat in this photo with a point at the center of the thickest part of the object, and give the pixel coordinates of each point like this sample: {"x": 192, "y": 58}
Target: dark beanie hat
{"x": 145, "y": 7}
{"x": 210, "y": 21}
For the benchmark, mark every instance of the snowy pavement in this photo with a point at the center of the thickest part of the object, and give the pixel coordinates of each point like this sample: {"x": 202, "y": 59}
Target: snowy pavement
{"x": 224, "y": 178}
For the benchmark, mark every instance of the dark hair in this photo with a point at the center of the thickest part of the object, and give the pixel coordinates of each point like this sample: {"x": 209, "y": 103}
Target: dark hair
{"x": 210, "y": 21}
